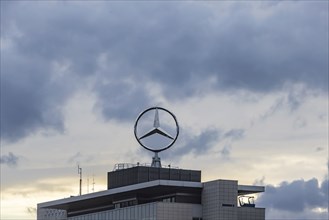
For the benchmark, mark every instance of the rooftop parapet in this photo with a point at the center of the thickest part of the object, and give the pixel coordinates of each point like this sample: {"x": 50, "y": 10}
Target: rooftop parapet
{"x": 139, "y": 174}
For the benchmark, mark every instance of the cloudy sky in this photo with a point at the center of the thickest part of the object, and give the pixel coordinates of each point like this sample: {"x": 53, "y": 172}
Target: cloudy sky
{"x": 247, "y": 80}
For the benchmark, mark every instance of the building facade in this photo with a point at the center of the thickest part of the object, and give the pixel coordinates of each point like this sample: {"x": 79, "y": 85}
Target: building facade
{"x": 153, "y": 193}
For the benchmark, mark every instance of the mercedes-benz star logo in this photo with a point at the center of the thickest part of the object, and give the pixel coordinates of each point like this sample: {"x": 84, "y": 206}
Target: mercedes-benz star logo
{"x": 156, "y": 130}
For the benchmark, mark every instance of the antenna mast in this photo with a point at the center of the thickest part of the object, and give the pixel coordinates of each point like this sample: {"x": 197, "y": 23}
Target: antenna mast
{"x": 88, "y": 184}
{"x": 80, "y": 172}
{"x": 93, "y": 183}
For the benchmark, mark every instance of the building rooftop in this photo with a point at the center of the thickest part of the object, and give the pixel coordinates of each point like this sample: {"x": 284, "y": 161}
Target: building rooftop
{"x": 247, "y": 189}
{"x": 98, "y": 199}
{"x": 105, "y": 199}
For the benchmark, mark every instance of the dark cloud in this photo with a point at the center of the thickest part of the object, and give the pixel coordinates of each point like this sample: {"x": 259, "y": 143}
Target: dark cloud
{"x": 78, "y": 158}
{"x": 230, "y": 136}
{"x": 197, "y": 145}
{"x": 51, "y": 48}
{"x": 29, "y": 101}
{"x": 278, "y": 103}
{"x": 325, "y": 188}
{"x": 260, "y": 182}
{"x": 201, "y": 144}
{"x": 235, "y": 134}
{"x": 226, "y": 151}
{"x": 291, "y": 100}
{"x": 33, "y": 86}
{"x": 10, "y": 159}
{"x": 120, "y": 100}
{"x": 296, "y": 196}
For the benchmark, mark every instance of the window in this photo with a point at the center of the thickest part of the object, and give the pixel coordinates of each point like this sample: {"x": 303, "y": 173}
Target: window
{"x": 170, "y": 199}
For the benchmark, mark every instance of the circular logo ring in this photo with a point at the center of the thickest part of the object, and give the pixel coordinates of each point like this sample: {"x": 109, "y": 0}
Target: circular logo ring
{"x": 156, "y": 129}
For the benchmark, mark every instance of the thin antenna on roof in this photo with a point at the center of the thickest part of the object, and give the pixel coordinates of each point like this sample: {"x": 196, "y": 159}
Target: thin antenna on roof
{"x": 80, "y": 172}
{"x": 88, "y": 184}
{"x": 93, "y": 184}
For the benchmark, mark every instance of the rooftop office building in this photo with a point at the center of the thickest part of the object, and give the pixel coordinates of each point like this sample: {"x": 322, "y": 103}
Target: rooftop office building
{"x": 140, "y": 192}
{"x": 150, "y": 193}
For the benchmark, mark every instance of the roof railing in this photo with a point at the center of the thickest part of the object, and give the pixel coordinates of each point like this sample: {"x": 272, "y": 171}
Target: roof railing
{"x": 122, "y": 166}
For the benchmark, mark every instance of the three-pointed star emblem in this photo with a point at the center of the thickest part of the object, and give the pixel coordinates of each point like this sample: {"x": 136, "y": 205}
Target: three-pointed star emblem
{"x": 156, "y": 128}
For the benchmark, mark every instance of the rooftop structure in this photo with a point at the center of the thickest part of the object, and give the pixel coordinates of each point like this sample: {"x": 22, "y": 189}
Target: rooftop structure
{"x": 140, "y": 192}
